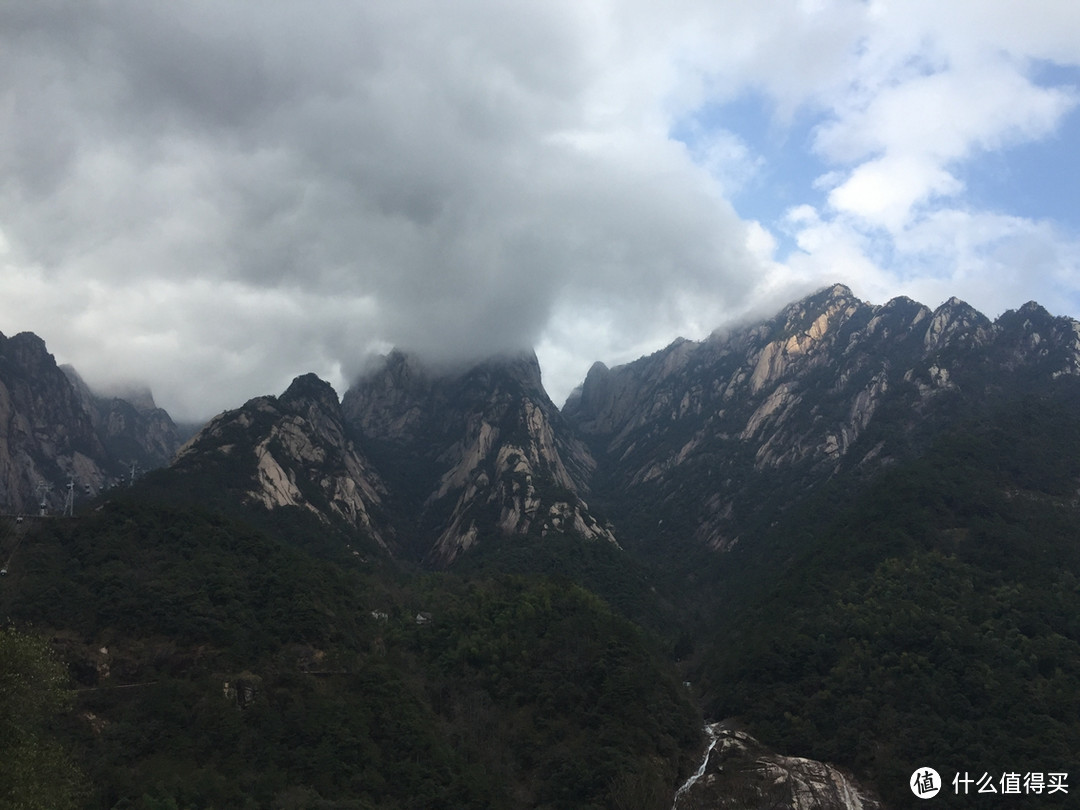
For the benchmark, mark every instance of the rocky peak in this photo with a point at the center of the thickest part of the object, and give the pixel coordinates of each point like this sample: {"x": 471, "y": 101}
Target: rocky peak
{"x": 403, "y": 371}
{"x": 956, "y": 322}
{"x": 595, "y": 385}
{"x": 307, "y": 390}
{"x": 47, "y": 437}
{"x": 796, "y": 398}
{"x": 829, "y": 300}
{"x": 484, "y": 448}
{"x": 292, "y": 451}
{"x": 28, "y": 351}
{"x": 517, "y": 371}
{"x": 54, "y": 430}
{"x": 1032, "y": 337}
{"x": 385, "y": 401}
{"x": 131, "y": 426}
{"x": 1031, "y": 317}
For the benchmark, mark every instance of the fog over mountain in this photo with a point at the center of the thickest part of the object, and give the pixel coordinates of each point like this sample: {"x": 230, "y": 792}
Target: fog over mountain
{"x": 215, "y": 197}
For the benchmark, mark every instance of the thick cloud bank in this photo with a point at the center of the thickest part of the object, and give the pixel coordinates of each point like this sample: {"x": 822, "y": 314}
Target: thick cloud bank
{"x": 216, "y": 196}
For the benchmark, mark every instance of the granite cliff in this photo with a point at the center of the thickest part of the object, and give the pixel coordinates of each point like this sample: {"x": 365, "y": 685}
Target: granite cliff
{"x": 58, "y": 438}
{"x": 473, "y": 451}
{"x": 714, "y": 435}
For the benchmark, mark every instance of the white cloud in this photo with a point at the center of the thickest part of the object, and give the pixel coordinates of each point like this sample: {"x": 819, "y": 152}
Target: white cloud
{"x": 219, "y": 196}
{"x": 884, "y": 192}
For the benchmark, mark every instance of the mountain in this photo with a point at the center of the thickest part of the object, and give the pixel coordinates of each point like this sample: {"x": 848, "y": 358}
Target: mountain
{"x": 694, "y": 448}
{"x": 472, "y": 453}
{"x": 56, "y": 435}
{"x": 131, "y": 426}
{"x": 286, "y": 452}
{"x": 709, "y": 438}
{"x": 849, "y": 528}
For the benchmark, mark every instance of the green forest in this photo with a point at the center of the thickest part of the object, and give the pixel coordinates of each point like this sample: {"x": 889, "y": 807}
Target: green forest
{"x": 197, "y": 661}
{"x": 934, "y": 618}
{"x": 159, "y": 654}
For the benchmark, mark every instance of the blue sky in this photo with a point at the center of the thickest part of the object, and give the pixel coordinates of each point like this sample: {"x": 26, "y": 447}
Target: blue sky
{"x": 214, "y": 197}
{"x": 781, "y": 165}
{"x": 775, "y": 168}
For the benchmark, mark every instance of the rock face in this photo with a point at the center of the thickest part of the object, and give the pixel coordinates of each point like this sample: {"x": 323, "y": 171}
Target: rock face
{"x": 290, "y": 451}
{"x": 758, "y": 414}
{"x": 474, "y": 451}
{"x": 55, "y": 434}
{"x": 131, "y": 426}
{"x": 698, "y": 443}
{"x": 741, "y": 774}
{"x": 701, "y": 441}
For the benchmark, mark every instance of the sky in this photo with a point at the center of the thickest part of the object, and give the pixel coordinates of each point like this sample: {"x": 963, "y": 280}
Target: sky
{"x": 212, "y": 197}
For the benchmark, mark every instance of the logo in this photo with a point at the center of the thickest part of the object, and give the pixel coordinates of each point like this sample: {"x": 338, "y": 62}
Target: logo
{"x": 925, "y": 783}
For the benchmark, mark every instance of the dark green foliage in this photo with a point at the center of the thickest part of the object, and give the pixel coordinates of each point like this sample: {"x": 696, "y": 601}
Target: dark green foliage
{"x": 35, "y": 770}
{"x": 137, "y": 569}
{"x": 625, "y": 584}
{"x": 221, "y": 665}
{"x": 932, "y": 619}
{"x": 580, "y": 699}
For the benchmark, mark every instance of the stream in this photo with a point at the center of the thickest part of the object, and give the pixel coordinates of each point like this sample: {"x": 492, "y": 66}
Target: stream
{"x": 713, "y": 732}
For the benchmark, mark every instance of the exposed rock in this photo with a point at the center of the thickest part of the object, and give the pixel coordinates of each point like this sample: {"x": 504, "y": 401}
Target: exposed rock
{"x": 485, "y": 449}
{"x": 57, "y": 440}
{"x": 130, "y": 425}
{"x": 776, "y": 406}
{"x": 740, "y": 773}
{"x": 299, "y": 456}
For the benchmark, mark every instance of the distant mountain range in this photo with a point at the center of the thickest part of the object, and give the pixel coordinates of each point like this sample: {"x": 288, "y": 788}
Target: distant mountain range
{"x": 57, "y": 435}
{"x": 851, "y": 528}
{"x": 700, "y": 440}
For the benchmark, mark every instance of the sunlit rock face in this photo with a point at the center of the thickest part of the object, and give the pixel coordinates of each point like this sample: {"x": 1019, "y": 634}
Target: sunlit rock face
{"x": 291, "y": 451}
{"x": 474, "y": 452}
{"x": 739, "y": 773}
{"x": 764, "y": 412}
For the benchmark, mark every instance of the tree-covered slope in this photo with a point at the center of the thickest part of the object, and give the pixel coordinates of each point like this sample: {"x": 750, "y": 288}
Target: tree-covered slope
{"x": 214, "y": 664}
{"x": 933, "y": 618}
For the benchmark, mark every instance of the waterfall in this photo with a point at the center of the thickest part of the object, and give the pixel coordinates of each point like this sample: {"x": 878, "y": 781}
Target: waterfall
{"x": 713, "y": 731}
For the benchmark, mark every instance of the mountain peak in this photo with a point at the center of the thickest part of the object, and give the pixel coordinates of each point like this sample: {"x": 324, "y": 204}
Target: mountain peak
{"x": 521, "y": 369}
{"x": 956, "y": 321}
{"x": 486, "y": 450}
{"x": 310, "y": 388}
{"x": 1034, "y": 308}
{"x": 839, "y": 291}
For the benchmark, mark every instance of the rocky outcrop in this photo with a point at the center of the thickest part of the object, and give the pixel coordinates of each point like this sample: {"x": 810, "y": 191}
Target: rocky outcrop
{"x": 130, "y": 425}
{"x": 776, "y": 406}
{"x": 291, "y": 451}
{"x": 474, "y": 451}
{"x": 739, "y": 773}
{"x": 58, "y": 441}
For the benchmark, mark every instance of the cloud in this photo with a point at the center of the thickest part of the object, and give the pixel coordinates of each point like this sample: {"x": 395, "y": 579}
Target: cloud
{"x": 216, "y": 196}
{"x": 238, "y": 178}
{"x": 905, "y": 140}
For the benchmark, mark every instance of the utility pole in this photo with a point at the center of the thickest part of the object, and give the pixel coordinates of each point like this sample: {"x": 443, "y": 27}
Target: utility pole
{"x": 43, "y": 490}
{"x": 69, "y": 503}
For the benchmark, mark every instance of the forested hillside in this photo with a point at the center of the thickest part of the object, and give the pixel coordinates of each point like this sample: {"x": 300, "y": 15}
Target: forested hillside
{"x": 931, "y": 618}
{"x": 852, "y": 531}
{"x": 214, "y": 665}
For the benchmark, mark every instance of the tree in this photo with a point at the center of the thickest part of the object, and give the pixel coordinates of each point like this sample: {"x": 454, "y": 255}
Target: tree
{"x": 35, "y": 772}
